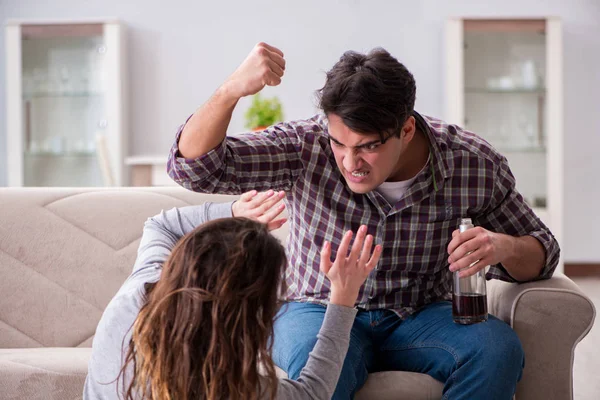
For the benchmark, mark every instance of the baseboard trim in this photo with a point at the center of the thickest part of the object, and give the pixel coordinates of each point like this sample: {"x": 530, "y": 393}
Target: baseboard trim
{"x": 588, "y": 269}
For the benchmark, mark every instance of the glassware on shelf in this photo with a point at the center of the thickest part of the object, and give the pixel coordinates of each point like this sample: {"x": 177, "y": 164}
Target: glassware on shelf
{"x": 40, "y": 80}
{"x": 28, "y": 83}
{"x": 57, "y": 144}
{"x": 500, "y": 83}
{"x": 79, "y": 146}
{"x": 529, "y": 75}
{"x": 82, "y": 83}
{"x": 531, "y": 136}
{"x": 34, "y": 147}
{"x": 503, "y": 134}
{"x": 65, "y": 81}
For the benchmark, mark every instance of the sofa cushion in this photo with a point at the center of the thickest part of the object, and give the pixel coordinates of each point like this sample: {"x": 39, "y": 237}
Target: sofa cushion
{"x": 396, "y": 385}
{"x": 64, "y": 253}
{"x": 59, "y": 373}
{"x": 43, "y": 373}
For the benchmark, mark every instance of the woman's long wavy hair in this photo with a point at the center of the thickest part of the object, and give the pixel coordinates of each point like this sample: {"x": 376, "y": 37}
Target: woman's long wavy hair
{"x": 206, "y": 324}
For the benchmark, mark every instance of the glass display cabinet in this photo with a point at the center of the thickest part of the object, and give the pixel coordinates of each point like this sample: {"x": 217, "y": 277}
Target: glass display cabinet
{"x": 65, "y": 103}
{"x": 504, "y": 83}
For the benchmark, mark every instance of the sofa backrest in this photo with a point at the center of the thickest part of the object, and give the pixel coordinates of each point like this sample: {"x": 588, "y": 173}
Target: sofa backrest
{"x": 64, "y": 253}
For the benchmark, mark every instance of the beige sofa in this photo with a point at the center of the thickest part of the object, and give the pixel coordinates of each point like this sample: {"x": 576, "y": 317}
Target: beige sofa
{"x": 65, "y": 252}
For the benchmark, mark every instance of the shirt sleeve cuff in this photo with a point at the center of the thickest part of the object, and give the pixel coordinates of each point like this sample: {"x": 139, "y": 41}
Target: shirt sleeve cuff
{"x": 187, "y": 171}
{"x": 339, "y": 319}
{"x": 219, "y": 210}
{"x": 552, "y": 253}
{"x": 552, "y": 256}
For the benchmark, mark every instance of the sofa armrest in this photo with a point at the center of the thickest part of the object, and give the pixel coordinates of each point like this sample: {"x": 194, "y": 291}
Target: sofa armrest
{"x": 550, "y": 317}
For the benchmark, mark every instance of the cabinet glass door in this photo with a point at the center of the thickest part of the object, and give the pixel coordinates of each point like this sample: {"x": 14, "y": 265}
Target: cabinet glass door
{"x": 63, "y": 100}
{"x": 505, "y": 96}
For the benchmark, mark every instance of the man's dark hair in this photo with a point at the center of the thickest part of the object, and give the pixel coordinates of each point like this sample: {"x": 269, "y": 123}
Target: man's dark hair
{"x": 371, "y": 93}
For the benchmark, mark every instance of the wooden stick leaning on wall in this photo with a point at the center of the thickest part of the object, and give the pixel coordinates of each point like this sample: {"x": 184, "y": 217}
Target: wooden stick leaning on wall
{"x": 104, "y": 160}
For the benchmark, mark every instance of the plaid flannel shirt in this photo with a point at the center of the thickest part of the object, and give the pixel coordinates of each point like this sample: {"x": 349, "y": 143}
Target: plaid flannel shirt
{"x": 465, "y": 177}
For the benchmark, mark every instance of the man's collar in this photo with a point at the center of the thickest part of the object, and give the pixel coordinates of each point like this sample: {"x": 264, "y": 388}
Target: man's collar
{"x": 438, "y": 164}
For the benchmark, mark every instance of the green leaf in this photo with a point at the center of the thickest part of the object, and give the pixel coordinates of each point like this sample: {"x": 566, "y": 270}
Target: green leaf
{"x": 263, "y": 112}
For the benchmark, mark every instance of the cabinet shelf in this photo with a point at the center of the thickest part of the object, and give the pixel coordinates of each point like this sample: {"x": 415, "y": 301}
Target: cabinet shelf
{"x": 44, "y": 95}
{"x": 65, "y": 85}
{"x": 524, "y": 149}
{"x": 60, "y": 154}
{"x": 474, "y": 90}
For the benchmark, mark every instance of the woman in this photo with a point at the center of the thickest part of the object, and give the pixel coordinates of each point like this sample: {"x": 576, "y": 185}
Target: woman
{"x": 199, "y": 327}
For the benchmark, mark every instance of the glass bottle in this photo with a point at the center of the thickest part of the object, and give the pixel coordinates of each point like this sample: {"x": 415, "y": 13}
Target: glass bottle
{"x": 469, "y": 295}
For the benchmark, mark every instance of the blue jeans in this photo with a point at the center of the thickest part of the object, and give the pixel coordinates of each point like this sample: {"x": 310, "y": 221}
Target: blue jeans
{"x": 480, "y": 361}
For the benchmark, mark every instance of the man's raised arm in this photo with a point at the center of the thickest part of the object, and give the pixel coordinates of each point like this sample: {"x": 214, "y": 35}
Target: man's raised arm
{"x": 207, "y": 128}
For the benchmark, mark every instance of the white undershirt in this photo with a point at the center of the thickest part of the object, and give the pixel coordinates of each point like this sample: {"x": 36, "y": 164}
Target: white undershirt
{"x": 394, "y": 191}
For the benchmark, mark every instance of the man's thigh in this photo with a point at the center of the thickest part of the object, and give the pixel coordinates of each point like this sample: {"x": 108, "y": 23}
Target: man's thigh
{"x": 430, "y": 342}
{"x": 295, "y": 334}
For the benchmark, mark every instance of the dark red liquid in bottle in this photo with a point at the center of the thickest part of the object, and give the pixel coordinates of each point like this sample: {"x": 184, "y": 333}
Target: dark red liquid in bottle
{"x": 469, "y": 308}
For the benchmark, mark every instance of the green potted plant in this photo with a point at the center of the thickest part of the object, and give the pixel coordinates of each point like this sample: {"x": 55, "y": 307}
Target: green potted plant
{"x": 263, "y": 112}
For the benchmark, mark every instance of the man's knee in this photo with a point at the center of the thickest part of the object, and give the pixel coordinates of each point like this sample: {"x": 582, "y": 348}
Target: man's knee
{"x": 295, "y": 356}
{"x": 500, "y": 349}
{"x": 352, "y": 377}
{"x": 292, "y": 346}
{"x": 509, "y": 351}
{"x": 295, "y": 335}
{"x": 354, "y": 371}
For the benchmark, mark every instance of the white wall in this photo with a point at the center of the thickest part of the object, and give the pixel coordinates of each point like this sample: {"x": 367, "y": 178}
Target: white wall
{"x": 180, "y": 50}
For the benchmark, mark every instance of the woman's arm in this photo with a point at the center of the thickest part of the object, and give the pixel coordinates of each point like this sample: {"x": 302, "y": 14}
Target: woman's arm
{"x": 319, "y": 377}
{"x": 347, "y": 273}
{"x": 164, "y": 230}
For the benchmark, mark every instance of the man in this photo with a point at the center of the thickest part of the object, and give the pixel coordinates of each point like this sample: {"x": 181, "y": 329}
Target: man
{"x": 371, "y": 159}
